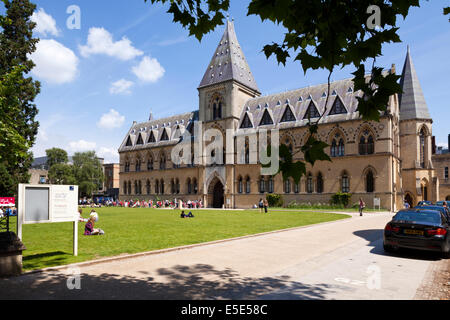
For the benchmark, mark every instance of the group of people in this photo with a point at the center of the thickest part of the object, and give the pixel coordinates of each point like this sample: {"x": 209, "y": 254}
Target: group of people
{"x": 168, "y": 204}
{"x": 8, "y": 212}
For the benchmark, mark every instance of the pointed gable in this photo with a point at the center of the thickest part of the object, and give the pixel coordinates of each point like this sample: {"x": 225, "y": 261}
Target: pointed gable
{"x": 288, "y": 115}
{"x": 164, "y": 136}
{"x": 229, "y": 63}
{"x": 312, "y": 112}
{"x": 151, "y": 139}
{"x": 246, "y": 123}
{"x": 129, "y": 142}
{"x": 266, "y": 119}
{"x": 412, "y": 102}
{"x": 338, "y": 107}
{"x": 140, "y": 141}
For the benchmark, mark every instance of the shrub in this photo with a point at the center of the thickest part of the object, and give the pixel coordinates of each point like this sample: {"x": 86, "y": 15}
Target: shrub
{"x": 341, "y": 199}
{"x": 275, "y": 200}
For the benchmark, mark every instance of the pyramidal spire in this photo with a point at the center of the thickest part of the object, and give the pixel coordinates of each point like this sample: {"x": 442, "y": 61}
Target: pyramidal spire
{"x": 412, "y": 102}
{"x": 229, "y": 63}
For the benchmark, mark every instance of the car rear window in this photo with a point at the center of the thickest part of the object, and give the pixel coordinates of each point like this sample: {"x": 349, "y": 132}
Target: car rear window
{"x": 420, "y": 217}
{"x": 441, "y": 209}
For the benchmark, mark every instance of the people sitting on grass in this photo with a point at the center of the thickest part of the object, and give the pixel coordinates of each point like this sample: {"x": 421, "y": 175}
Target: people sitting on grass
{"x": 89, "y": 229}
{"x": 189, "y": 215}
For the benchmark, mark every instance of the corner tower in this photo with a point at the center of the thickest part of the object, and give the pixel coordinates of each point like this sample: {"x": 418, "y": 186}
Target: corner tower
{"x": 418, "y": 175}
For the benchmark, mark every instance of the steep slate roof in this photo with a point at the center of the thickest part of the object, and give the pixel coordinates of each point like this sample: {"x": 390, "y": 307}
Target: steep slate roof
{"x": 229, "y": 63}
{"x": 412, "y": 101}
{"x": 342, "y": 89}
{"x": 158, "y": 126}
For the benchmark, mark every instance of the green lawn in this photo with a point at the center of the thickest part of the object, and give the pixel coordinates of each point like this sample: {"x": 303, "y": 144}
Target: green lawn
{"x": 140, "y": 230}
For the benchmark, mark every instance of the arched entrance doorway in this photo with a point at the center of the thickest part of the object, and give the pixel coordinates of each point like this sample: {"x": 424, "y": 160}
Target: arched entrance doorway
{"x": 216, "y": 194}
{"x": 448, "y": 198}
{"x": 410, "y": 200}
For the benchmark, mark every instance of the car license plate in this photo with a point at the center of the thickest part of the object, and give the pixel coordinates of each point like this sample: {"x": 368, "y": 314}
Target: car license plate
{"x": 414, "y": 232}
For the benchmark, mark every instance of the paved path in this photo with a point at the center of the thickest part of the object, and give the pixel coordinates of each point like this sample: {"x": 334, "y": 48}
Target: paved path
{"x": 337, "y": 260}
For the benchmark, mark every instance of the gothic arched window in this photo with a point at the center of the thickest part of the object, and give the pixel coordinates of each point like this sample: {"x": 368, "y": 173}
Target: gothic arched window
{"x": 148, "y": 187}
{"x": 309, "y": 184}
{"x": 366, "y": 143}
{"x": 345, "y": 183}
{"x": 370, "y": 182}
{"x": 319, "y": 183}
{"x": 422, "y": 148}
{"x": 217, "y": 109}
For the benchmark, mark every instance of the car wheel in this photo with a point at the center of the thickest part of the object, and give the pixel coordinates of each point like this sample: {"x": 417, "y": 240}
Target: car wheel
{"x": 446, "y": 253}
{"x": 388, "y": 248}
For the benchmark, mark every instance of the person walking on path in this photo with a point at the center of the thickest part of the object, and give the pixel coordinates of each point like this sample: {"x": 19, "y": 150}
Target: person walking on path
{"x": 266, "y": 206}
{"x": 261, "y": 205}
{"x": 362, "y": 205}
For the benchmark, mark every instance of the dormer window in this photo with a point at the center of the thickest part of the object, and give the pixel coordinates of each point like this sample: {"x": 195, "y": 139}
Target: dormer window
{"x": 246, "y": 123}
{"x": 151, "y": 139}
{"x": 164, "y": 136}
{"x": 288, "y": 115}
{"x": 338, "y": 107}
{"x": 129, "y": 143}
{"x": 140, "y": 141}
{"x": 266, "y": 119}
{"x": 312, "y": 112}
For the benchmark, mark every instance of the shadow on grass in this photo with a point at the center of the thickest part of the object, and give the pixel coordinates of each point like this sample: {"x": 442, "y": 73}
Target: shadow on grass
{"x": 43, "y": 260}
{"x": 375, "y": 238}
{"x": 177, "y": 283}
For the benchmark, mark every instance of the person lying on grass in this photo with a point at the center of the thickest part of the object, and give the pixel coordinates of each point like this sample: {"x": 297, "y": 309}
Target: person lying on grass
{"x": 89, "y": 227}
{"x": 183, "y": 215}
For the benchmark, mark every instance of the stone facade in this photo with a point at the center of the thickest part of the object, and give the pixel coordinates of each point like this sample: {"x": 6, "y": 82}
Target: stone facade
{"x": 387, "y": 160}
{"x": 441, "y": 164}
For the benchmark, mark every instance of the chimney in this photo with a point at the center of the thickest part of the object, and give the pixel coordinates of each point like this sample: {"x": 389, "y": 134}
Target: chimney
{"x": 448, "y": 143}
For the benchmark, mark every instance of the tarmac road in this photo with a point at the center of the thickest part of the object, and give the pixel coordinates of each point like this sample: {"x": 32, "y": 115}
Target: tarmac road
{"x": 337, "y": 260}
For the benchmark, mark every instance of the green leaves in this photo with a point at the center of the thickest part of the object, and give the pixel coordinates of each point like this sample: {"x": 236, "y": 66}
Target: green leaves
{"x": 314, "y": 150}
{"x": 199, "y": 16}
{"x": 377, "y": 88}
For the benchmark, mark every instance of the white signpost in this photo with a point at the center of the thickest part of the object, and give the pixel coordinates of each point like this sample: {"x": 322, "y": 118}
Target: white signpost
{"x": 377, "y": 203}
{"x": 48, "y": 204}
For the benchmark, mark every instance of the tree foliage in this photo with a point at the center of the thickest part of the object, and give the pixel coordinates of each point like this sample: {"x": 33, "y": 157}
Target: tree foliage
{"x": 62, "y": 174}
{"x": 17, "y": 90}
{"x": 56, "y": 156}
{"x": 320, "y": 34}
{"x": 88, "y": 172}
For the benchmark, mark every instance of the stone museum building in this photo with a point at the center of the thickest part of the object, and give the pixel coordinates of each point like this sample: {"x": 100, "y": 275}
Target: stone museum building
{"x": 386, "y": 161}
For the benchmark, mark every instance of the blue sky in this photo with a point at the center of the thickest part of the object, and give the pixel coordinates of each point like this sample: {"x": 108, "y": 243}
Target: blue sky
{"x": 159, "y": 67}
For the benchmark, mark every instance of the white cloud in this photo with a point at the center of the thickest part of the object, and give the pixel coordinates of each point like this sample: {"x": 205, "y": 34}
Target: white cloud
{"x": 121, "y": 87}
{"x": 170, "y": 42}
{"x": 45, "y": 24}
{"x": 110, "y": 155}
{"x": 82, "y": 146}
{"x": 55, "y": 63}
{"x": 149, "y": 70}
{"x": 111, "y": 120}
{"x": 100, "y": 41}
